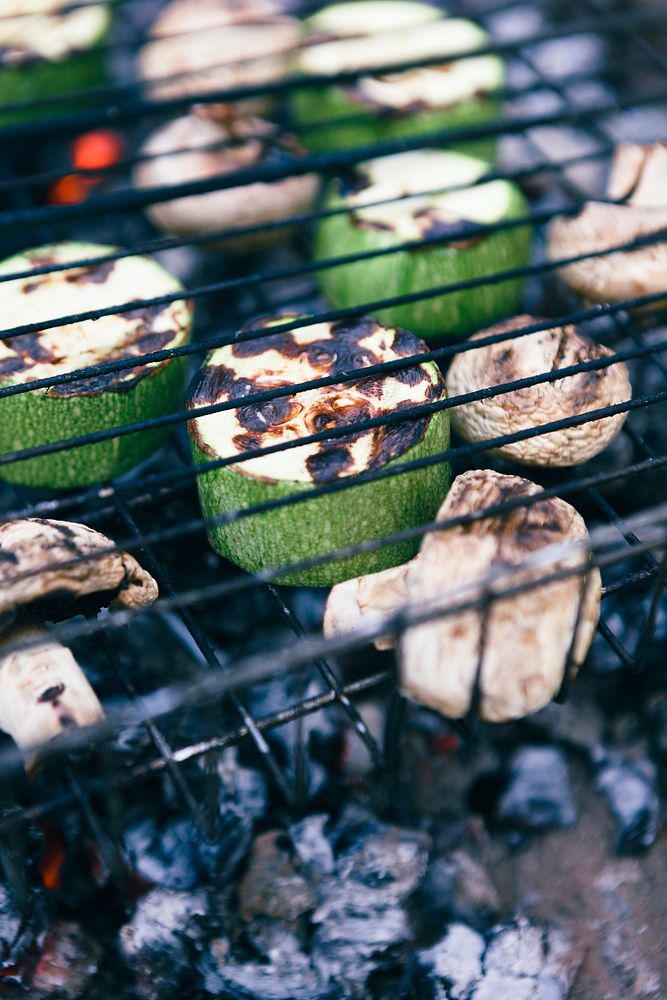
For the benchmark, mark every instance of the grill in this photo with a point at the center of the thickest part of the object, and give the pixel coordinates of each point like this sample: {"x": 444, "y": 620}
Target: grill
{"x": 185, "y": 680}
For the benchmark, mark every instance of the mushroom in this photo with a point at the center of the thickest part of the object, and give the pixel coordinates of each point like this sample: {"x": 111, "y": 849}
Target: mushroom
{"x": 204, "y": 45}
{"x": 36, "y": 568}
{"x": 195, "y": 147}
{"x": 533, "y": 354}
{"x": 638, "y": 179}
{"x": 524, "y": 644}
{"x": 43, "y": 690}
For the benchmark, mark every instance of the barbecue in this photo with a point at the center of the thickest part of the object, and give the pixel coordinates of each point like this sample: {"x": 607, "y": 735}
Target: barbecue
{"x": 332, "y": 617}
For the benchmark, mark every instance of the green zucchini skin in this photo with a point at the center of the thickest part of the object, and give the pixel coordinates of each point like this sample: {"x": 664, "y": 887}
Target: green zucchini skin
{"x": 31, "y": 419}
{"x": 313, "y": 105}
{"x": 42, "y": 416}
{"x": 43, "y": 78}
{"x": 411, "y": 271}
{"x": 320, "y": 526}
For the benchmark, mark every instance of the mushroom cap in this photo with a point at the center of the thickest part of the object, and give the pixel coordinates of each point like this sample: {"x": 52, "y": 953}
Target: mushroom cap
{"x": 43, "y": 690}
{"x": 638, "y": 174}
{"x": 365, "y": 600}
{"x": 547, "y": 350}
{"x": 179, "y": 154}
{"x": 199, "y": 47}
{"x": 526, "y": 639}
{"x": 31, "y": 550}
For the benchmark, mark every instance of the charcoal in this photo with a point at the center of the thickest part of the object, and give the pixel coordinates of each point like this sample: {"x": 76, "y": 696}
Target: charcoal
{"x": 312, "y": 846}
{"x": 538, "y": 793}
{"x": 157, "y": 942}
{"x": 164, "y": 855}
{"x": 633, "y": 801}
{"x": 288, "y": 974}
{"x": 448, "y": 970}
{"x": 10, "y": 926}
{"x": 527, "y": 962}
{"x": 242, "y": 786}
{"x": 67, "y": 963}
{"x": 458, "y": 887}
{"x": 272, "y": 886}
{"x": 361, "y": 923}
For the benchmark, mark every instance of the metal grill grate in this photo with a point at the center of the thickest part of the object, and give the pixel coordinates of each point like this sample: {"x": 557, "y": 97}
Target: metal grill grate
{"x": 154, "y": 513}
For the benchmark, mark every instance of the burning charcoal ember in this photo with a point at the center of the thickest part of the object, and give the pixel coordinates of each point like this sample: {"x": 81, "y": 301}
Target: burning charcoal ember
{"x": 68, "y": 961}
{"x": 158, "y": 941}
{"x": 449, "y": 969}
{"x": 272, "y": 886}
{"x": 13, "y": 939}
{"x": 538, "y": 793}
{"x": 360, "y": 920}
{"x": 32, "y": 551}
{"x": 633, "y": 801}
{"x": 458, "y": 887}
{"x": 312, "y": 845}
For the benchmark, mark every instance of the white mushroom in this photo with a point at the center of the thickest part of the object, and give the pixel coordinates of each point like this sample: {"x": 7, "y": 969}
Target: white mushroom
{"x": 32, "y": 551}
{"x": 526, "y": 640}
{"x": 180, "y": 152}
{"x": 638, "y": 175}
{"x": 366, "y": 600}
{"x": 526, "y": 356}
{"x": 43, "y": 690}
{"x": 204, "y": 45}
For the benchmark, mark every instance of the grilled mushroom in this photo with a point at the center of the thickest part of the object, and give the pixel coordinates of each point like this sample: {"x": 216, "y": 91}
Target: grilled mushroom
{"x": 527, "y": 639}
{"x": 195, "y": 147}
{"x": 545, "y": 351}
{"x": 204, "y": 45}
{"x": 639, "y": 177}
{"x": 43, "y": 690}
{"x": 31, "y": 551}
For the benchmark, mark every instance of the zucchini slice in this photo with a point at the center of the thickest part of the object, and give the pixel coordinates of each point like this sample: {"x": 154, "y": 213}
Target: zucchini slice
{"x": 377, "y": 33}
{"x": 332, "y": 520}
{"x": 114, "y": 399}
{"x": 419, "y": 215}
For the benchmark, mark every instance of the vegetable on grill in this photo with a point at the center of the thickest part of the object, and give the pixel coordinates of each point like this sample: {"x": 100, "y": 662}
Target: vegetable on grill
{"x": 377, "y": 107}
{"x": 198, "y": 46}
{"x": 431, "y": 196}
{"x": 61, "y": 567}
{"x": 99, "y": 402}
{"x": 47, "y": 48}
{"x": 193, "y": 148}
{"x": 344, "y": 517}
{"x": 43, "y": 690}
{"x": 638, "y": 188}
{"x": 522, "y": 409}
{"x": 527, "y": 640}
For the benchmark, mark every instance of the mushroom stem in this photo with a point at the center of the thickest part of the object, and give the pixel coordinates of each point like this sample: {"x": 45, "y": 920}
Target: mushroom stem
{"x": 639, "y": 175}
{"x": 43, "y": 690}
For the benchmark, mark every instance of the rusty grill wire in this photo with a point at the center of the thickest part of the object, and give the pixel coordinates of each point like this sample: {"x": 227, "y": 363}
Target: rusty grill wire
{"x": 138, "y": 506}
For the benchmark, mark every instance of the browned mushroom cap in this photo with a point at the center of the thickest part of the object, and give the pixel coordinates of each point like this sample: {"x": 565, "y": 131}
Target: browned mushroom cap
{"x": 203, "y": 45}
{"x": 180, "y": 151}
{"x": 638, "y": 174}
{"x": 43, "y": 690}
{"x": 31, "y": 551}
{"x": 533, "y": 354}
{"x": 526, "y": 639}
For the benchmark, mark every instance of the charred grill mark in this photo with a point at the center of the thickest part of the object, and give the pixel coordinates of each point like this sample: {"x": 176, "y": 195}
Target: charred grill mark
{"x": 96, "y": 274}
{"x": 52, "y": 694}
{"x": 561, "y": 348}
{"x": 437, "y": 230}
{"x": 411, "y": 376}
{"x": 247, "y": 442}
{"x": 8, "y": 366}
{"x": 8, "y": 557}
{"x": 267, "y": 415}
{"x": 328, "y": 463}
